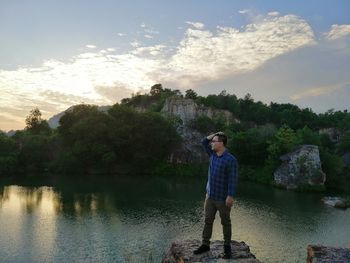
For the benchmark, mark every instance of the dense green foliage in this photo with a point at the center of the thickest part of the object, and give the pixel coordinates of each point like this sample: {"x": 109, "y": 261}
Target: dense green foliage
{"x": 123, "y": 139}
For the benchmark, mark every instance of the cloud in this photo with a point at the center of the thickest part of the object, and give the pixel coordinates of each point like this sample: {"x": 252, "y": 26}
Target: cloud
{"x": 244, "y": 11}
{"x": 318, "y": 91}
{"x": 274, "y": 58}
{"x": 338, "y": 31}
{"x": 121, "y": 34}
{"x": 135, "y": 44}
{"x": 91, "y": 46}
{"x": 150, "y": 50}
{"x": 196, "y": 25}
{"x": 204, "y": 55}
{"x": 114, "y": 93}
{"x": 273, "y": 13}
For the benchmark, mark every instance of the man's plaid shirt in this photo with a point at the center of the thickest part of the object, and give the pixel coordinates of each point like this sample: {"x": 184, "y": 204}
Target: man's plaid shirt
{"x": 222, "y": 174}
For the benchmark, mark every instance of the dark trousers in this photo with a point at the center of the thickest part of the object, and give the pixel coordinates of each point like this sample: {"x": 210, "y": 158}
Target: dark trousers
{"x": 210, "y": 209}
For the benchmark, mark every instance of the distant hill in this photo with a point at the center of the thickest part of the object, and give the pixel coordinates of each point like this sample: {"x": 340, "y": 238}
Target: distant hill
{"x": 54, "y": 120}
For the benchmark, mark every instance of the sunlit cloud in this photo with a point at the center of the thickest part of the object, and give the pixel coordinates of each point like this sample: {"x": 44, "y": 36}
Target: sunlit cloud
{"x": 203, "y": 54}
{"x": 273, "y": 13}
{"x": 338, "y": 31}
{"x": 244, "y": 11}
{"x": 91, "y": 46}
{"x": 196, "y": 25}
{"x": 104, "y": 76}
{"x": 319, "y": 91}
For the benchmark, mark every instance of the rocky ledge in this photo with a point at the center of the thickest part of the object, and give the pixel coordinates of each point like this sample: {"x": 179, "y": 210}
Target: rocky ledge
{"x": 323, "y": 254}
{"x": 182, "y": 251}
{"x": 337, "y": 202}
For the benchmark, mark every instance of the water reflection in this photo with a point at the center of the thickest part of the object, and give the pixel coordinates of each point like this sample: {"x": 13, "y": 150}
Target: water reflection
{"x": 136, "y": 219}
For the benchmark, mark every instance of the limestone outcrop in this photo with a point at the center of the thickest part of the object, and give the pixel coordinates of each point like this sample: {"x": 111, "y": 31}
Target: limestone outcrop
{"x": 301, "y": 167}
{"x": 337, "y": 202}
{"x": 182, "y": 251}
{"x": 323, "y": 254}
{"x": 186, "y": 110}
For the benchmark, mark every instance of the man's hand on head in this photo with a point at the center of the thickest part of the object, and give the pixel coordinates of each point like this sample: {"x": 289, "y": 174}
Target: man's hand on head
{"x": 229, "y": 201}
{"x": 211, "y": 136}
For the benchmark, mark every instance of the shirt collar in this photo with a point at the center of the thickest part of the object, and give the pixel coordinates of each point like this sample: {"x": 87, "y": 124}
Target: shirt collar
{"x": 224, "y": 153}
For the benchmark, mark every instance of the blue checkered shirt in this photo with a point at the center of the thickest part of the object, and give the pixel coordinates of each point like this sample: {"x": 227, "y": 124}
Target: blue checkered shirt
{"x": 222, "y": 174}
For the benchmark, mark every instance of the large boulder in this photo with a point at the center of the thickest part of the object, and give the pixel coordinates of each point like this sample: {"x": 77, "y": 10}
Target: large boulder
{"x": 299, "y": 168}
{"x": 323, "y": 254}
{"x": 182, "y": 251}
{"x": 337, "y": 202}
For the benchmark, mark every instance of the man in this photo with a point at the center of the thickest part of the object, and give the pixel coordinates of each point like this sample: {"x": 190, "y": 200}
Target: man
{"x": 221, "y": 189}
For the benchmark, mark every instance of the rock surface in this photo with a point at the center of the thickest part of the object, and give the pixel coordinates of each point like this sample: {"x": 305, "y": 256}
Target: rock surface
{"x": 337, "y": 202}
{"x": 186, "y": 110}
{"x": 182, "y": 251}
{"x": 323, "y": 254}
{"x": 299, "y": 168}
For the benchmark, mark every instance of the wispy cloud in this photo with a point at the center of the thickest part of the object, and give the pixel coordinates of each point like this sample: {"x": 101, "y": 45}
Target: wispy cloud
{"x": 103, "y": 76}
{"x": 91, "y": 46}
{"x": 196, "y": 25}
{"x": 318, "y": 91}
{"x": 203, "y": 54}
{"x": 273, "y": 13}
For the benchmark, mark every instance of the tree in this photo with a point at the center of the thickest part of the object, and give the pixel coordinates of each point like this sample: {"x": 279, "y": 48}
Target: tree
{"x": 35, "y": 124}
{"x": 190, "y": 94}
{"x": 284, "y": 141}
{"x": 156, "y": 89}
{"x": 8, "y": 155}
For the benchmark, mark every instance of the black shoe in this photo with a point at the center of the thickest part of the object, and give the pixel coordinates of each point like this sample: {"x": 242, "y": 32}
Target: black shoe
{"x": 227, "y": 252}
{"x": 203, "y": 248}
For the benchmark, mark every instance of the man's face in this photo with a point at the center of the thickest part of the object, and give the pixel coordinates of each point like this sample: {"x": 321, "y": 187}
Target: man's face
{"x": 216, "y": 145}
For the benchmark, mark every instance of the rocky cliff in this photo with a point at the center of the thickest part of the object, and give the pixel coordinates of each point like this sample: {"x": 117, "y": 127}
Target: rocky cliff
{"x": 186, "y": 110}
{"x": 300, "y": 168}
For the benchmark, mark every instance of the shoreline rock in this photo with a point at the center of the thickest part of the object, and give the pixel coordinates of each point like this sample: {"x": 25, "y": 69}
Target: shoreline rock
{"x": 182, "y": 251}
{"x": 337, "y": 202}
{"x": 323, "y": 254}
{"x": 300, "y": 168}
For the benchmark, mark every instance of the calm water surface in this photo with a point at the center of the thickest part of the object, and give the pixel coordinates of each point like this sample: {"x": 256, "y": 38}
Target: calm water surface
{"x": 135, "y": 219}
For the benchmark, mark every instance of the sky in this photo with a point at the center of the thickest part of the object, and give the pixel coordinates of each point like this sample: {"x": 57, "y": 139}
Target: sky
{"x": 58, "y": 53}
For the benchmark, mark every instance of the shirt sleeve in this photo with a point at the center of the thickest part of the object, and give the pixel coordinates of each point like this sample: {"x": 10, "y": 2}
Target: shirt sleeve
{"x": 232, "y": 178}
{"x": 207, "y": 146}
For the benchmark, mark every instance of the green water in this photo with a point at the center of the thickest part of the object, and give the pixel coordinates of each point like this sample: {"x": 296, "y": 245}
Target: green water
{"x": 135, "y": 219}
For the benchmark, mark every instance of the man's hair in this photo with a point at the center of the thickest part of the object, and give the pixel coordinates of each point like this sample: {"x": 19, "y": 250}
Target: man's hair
{"x": 222, "y": 137}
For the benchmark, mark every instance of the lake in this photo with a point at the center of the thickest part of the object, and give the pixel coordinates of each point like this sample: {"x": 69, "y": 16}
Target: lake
{"x": 135, "y": 219}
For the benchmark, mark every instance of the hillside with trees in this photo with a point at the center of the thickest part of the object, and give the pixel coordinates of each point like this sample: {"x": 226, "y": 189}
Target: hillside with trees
{"x": 133, "y": 136}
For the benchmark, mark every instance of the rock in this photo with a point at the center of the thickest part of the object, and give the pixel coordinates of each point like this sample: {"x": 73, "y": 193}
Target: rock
{"x": 333, "y": 133}
{"x": 323, "y": 254}
{"x": 187, "y": 110}
{"x": 182, "y": 251}
{"x": 346, "y": 158}
{"x": 300, "y": 168}
{"x": 191, "y": 149}
{"x": 337, "y": 202}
